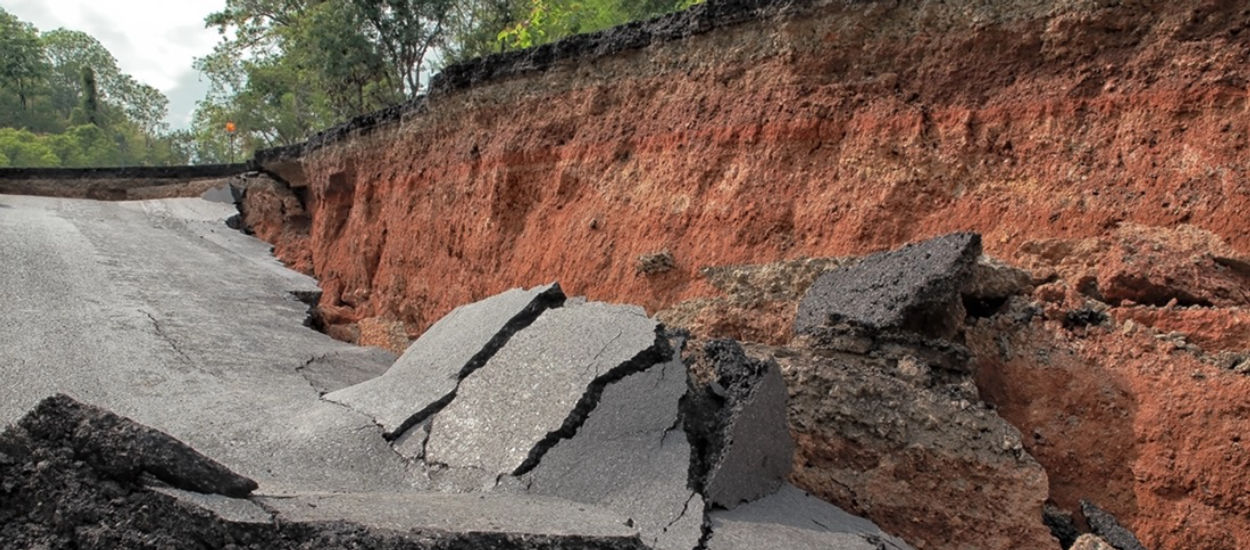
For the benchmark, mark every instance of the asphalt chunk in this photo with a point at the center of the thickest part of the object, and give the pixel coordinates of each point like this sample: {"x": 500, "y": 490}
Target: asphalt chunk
{"x": 424, "y": 379}
{"x": 631, "y": 456}
{"x": 540, "y": 387}
{"x": 914, "y": 288}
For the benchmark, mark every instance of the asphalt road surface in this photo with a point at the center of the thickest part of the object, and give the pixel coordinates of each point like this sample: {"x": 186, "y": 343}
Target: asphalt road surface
{"x": 159, "y": 312}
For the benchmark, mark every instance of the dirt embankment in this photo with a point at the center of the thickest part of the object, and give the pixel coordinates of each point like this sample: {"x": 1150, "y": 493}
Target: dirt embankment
{"x": 1075, "y": 136}
{"x": 132, "y": 183}
{"x": 847, "y": 129}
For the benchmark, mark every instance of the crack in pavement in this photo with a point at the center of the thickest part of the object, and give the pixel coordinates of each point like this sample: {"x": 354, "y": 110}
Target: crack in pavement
{"x": 684, "y": 509}
{"x": 655, "y": 354}
{"x": 173, "y": 344}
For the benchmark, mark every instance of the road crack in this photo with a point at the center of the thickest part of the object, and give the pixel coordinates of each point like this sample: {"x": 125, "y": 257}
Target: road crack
{"x": 169, "y": 340}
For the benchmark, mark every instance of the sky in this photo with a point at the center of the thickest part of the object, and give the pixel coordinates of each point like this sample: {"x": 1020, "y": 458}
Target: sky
{"x": 154, "y": 41}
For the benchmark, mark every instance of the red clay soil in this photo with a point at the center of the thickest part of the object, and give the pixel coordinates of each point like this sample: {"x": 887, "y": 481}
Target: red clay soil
{"x": 1136, "y": 424}
{"x": 857, "y": 128}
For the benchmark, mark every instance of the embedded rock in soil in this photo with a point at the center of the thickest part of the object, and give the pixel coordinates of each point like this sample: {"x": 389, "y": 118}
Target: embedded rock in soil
{"x": 426, "y": 376}
{"x": 892, "y": 439}
{"x": 539, "y": 387}
{"x": 631, "y": 456}
{"x": 1091, "y": 542}
{"x": 792, "y": 519}
{"x": 915, "y": 288}
{"x": 1155, "y": 266}
{"x": 737, "y": 422}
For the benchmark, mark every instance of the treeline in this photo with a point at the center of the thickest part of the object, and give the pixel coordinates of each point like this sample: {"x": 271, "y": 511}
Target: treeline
{"x": 64, "y": 102}
{"x": 283, "y": 70}
{"x": 287, "y": 68}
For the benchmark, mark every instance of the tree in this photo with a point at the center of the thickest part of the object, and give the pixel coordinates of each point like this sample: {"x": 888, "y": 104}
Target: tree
{"x": 23, "y": 67}
{"x": 64, "y": 102}
{"x": 90, "y": 97}
{"x": 406, "y": 31}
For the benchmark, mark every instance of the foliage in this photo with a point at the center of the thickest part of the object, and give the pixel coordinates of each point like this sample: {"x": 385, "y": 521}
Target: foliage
{"x": 551, "y": 20}
{"x": 23, "y": 68}
{"x": 64, "y": 102}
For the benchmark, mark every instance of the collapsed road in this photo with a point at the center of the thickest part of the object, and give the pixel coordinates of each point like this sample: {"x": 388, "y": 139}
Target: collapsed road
{"x": 161, "y": 389}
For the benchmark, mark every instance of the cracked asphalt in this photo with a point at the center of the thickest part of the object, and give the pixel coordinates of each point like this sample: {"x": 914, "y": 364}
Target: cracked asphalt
{"x": 159, "y": 312}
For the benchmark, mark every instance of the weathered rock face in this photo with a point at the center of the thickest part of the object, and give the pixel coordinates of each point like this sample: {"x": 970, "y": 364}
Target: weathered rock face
{"x": 852, "y": 127}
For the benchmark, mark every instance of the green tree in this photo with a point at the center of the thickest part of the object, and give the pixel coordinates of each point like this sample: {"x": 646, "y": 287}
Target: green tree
{"x": 25, "y": 149}
{"x": 551, "y": 20}
{"x": 90, "y": 97}
{"x": 23, "y": 67}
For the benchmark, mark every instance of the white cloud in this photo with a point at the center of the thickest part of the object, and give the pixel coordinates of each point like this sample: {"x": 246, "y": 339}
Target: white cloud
{"x": 153, "y": 40}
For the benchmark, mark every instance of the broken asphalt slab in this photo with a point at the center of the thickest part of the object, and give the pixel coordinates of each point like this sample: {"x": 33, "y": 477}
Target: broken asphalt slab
{"x": 632, "y": 457}
{"x": 75, "y": 476}
{"x": 912, "y": 288}
{"x": 540, "y": 387}
{"x": 426, "y": 376}
{"x": 794, "y": 520}
{"x": 1106, "y": 526}
{"x": 120, "y": 447}
{"x": 738, "y": 425}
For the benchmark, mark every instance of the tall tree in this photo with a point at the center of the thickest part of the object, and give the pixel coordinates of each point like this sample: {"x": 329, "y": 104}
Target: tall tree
{"x": 90, "y": 97}
{"x": 406, "y": 31}
{"x": 23, "y": 68}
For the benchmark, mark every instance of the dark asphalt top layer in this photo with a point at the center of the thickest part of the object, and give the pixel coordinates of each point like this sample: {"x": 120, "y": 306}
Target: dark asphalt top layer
{"x": 890, "y": 290}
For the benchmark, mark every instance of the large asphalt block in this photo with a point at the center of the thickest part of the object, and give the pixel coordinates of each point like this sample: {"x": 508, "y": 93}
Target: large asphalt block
{"x": 540, "y": 386}
{"x": 738, "y": 424}
{"x": 426, "y": 375}
{"x": 794, "y": 520}
{"x": 899, "y": 289}
{"x": 120, "y": 447}
{"x": 630, "y": 456}
{"x": 481, "y": 512}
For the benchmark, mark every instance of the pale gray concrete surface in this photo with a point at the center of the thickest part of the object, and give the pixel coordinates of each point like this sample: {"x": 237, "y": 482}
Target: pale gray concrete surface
{"x": 157, "y": 311}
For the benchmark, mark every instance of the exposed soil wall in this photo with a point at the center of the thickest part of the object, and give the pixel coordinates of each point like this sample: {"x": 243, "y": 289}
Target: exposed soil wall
{"x": 834, "y": 129}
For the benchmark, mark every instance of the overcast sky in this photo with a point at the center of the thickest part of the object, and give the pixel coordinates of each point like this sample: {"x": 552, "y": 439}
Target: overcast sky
{"x": 153, "y": 40}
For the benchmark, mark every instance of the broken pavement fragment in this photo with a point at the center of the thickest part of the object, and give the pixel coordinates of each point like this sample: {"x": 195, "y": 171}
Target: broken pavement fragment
{"x": 738, "y": 425}
{"x": 540, "y": 386}
{"x": 631, "y": 456}
{"x": 1104, "y": 525}
{"x": 120, "y": 447}
{"x": 425, "y": 377}
{"x": 915, "y": 288}
{"x": 794, "y": 520}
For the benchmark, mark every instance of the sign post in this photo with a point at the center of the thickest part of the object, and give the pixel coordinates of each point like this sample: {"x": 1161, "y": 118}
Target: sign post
{"x": 230, "y": 130}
